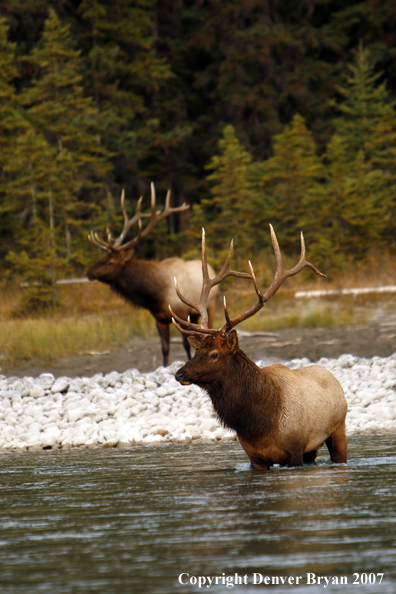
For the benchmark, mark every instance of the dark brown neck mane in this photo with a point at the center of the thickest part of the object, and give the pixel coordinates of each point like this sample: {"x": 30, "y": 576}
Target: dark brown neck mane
{"x": 140, "y": 284}
{"x": 246, "y": 399}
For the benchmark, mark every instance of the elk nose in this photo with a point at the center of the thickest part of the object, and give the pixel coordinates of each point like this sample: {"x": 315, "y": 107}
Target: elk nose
{"x": 180, "y": 376}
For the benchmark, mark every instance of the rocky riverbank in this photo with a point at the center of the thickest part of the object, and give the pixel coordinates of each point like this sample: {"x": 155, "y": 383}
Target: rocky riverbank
{"x": 130, "y": 408}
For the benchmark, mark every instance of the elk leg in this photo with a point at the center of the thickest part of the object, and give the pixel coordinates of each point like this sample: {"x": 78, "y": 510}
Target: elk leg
{"x": 337, "y": 445}
{"x": 296, "y": 459}
{"x": 186, "y": 345}
{"x": 163, "y": 331}
{"x": 309, "y": 457}
{"x": 194, "y": 319}
{"x": 259, "y": 463}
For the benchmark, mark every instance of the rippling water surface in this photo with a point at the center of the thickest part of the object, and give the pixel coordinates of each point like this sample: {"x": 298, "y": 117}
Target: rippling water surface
{"x": 131, "y": 521}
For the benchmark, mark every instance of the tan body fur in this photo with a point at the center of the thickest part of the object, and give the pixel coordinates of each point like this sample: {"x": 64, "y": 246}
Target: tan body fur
{"x": 189, "y": 278}
{"x": 281, "y": 416}
{"x": 150, "y": 284}
{"x": 314, "y": 409}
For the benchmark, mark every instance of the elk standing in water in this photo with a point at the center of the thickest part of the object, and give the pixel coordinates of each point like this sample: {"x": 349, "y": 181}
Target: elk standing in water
{"x": 146, "y": 283}
{"x": 281, "y": 416}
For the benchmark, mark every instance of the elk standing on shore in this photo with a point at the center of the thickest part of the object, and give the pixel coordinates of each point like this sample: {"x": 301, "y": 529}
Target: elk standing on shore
{"x": 146, "y": 283}
{"x": 281, "y": 416}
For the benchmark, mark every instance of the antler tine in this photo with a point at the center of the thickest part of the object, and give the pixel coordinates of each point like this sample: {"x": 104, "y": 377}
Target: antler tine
{"x": 280, "y": 276}
{"x": 167, "y": 200}
{"x": 153, "y": 199}
{"x": 155, "y": 217}
{"x": 129, "y": 223}
{"x": 231, "y": 323}
{"x": 187, "y": 327}
{"x": 109, "y": 239}
{"x": 207, "y": 284}
{"x": 280, "y": 273}
{"x": 190, "y": 328}
{"x": 226, "y": 314}
{"x": 124, "y": 212}
{"x": 95, "y": 239}
{"x": 200, "y": 308}
{"x": 297, "y": 268}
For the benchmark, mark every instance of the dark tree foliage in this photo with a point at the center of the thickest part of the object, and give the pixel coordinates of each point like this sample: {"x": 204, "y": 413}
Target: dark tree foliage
{"x": 251, "y": 64}
{"x": 158, "y": 85}
{"x": 123, "y": 73}
{"x": 12, "y": 125}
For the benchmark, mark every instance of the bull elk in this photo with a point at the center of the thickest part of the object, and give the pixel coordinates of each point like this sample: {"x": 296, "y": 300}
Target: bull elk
{"x": 281, "y": 416}
{"x": 149, "y": 284}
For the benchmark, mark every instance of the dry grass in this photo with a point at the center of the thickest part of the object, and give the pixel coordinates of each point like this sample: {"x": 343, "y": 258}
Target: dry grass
{"x": 92, "y": 318}
{"x": 48, "y": 339}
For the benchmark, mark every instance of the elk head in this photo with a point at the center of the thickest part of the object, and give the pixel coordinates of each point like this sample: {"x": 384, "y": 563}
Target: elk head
{"x": 216, "y": 348}
{"x": 212, "y": 355}
{"x": 119, "y": 254}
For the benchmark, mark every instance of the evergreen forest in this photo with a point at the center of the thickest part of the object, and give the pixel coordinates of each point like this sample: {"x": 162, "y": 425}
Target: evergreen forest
{"x": 251, "y": 111}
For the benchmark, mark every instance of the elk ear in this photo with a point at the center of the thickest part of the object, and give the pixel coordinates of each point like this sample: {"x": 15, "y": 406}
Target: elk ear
{"x": 128, "y": 255}
{"x": 232, "y": 341}
{"x": 195, "y": 341}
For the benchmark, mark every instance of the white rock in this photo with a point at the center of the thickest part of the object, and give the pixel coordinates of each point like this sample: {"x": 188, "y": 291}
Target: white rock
{"x": 36, "y": 391}
{"x": 229, "y": 436}
{"x": 60, "y": 385}
{"x": 134, "y": 408}
{"x": 219, "y": 433}
{"x": 75, "y": 414}
{"x": 184, "y": 438}
{"x": 347, "y": 361}
{"x": 45, "y": 380}
{"x": 153, "y": 439}
{"x": 50, "y": 437}
{"x": 208, "y": 425}
{"x": 208, "y": 435}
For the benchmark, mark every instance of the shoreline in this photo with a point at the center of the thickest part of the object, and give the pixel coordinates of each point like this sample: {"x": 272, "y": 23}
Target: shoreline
{"x": 135, "y": 408}
{"x": 378, "y": 338}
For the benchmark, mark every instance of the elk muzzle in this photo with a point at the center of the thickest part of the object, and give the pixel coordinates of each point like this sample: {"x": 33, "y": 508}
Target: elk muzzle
{"x": 181, "y": 377}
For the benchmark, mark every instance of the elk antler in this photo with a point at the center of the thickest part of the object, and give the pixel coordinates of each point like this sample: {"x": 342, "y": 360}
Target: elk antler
{"x": 280, "y": 276}
{"x": 154, "y": 216}
{"x": 207, "y": 284}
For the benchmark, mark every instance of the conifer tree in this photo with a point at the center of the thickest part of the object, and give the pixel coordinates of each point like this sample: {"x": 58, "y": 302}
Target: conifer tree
{"x": 367, "y": 131}
{"x": 287, "y": 180}
{"x": 12, "y": 124}
{"x": 11, "y": 118}
{"x": 58, "y": 110}
{"x": 124, "y": 73}
{"x": 365, "y": 102}
{"x": 31, "y": 180}
{"x": 227, "y": 213}
{"x": 341, "y": 209}
{"x": 55, "y": 169}
{"x": 366, "y": 207}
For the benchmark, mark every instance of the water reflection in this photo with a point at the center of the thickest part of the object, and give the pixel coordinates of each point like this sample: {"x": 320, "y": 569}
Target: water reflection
{"x": 126, "y": 521}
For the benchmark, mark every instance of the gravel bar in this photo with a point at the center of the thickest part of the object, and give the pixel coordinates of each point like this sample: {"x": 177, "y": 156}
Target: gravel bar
{"x": 134, "y": 408}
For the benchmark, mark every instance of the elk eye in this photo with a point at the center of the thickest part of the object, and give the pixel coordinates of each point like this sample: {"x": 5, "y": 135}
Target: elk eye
{"x": 214, "y": 355}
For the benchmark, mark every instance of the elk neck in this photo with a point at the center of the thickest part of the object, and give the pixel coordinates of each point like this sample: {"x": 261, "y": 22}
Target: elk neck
{"x": 247, "y": 399}
{"x": 141, "y": 283}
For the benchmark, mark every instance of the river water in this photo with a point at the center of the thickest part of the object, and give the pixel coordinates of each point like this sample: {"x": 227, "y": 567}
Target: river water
{"x": 131, "y": 521}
